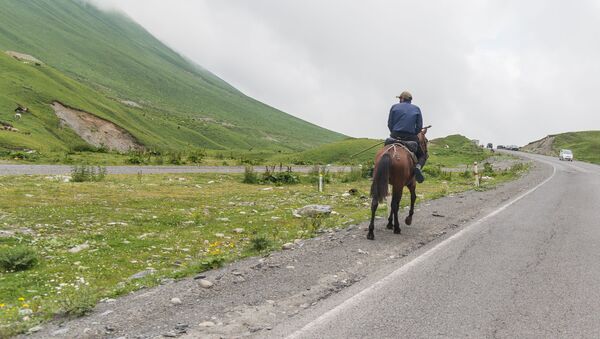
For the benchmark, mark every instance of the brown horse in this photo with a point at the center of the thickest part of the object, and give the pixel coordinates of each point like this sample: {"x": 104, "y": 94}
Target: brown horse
{"x": 394, "y": 165}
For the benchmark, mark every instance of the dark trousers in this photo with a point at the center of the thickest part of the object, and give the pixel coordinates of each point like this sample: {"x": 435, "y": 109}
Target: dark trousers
{"x": 421, "y": 155}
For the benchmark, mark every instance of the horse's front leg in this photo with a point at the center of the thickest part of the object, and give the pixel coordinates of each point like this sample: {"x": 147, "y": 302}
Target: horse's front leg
{"x": 374, "y": 204}
{"x": 413, "y": 197}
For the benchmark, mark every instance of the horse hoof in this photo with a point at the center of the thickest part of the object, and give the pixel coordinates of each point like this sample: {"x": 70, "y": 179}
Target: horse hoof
{"x": 371, "y": 236}
{"x": 397, "y": 231}
{"x": 389, "y": 226}
{"x": 408, "y": 220}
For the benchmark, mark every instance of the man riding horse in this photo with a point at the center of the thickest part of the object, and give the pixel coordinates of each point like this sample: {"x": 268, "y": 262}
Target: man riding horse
{"x": 405, "y": 123}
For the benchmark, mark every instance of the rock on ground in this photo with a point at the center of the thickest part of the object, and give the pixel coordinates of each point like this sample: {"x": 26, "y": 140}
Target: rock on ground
{"x": 314, "y": 211}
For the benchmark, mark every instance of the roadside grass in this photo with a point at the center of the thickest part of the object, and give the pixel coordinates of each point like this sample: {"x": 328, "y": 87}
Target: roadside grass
{"x": 91, "y": 237}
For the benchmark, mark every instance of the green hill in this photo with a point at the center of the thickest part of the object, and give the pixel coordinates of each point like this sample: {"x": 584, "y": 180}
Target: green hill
{"x": 455, "y": 150}
{"x": 449, "y": 151}
{"x": 338, "y": 152}
{"x": 585, "y": 145}
{"x": 106, "y": 64}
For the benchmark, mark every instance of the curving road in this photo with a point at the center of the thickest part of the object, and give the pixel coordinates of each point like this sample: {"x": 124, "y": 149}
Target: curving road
{"x": 530, "y": 269}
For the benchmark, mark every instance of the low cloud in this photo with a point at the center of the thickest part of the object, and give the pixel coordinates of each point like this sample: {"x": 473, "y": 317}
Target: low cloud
{"x": 498, "y": 71}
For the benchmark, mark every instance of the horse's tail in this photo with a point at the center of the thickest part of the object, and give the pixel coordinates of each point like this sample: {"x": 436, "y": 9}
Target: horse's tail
{"x": 381, "y": 178}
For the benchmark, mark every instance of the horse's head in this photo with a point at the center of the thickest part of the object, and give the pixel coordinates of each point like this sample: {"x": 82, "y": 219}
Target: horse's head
{"x": 423, "y": 139}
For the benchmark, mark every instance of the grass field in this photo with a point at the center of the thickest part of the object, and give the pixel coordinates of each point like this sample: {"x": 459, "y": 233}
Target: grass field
{"x": 176, "y": 225}
{"x": 93, "y": 60}
{"x": 585, "y": 145}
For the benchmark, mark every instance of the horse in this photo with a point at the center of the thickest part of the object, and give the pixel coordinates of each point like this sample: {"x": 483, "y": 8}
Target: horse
{"x": 394, "y": 164}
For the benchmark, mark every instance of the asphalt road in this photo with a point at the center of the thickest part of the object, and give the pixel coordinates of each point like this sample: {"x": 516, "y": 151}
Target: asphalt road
{"x": 528, "y": 269}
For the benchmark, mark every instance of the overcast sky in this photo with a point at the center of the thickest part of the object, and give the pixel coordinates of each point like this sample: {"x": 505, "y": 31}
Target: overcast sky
{"x": 506, "y": 72}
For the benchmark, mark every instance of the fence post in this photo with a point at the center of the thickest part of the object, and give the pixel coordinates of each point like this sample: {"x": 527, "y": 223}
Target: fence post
{"x": 476, "y": 173}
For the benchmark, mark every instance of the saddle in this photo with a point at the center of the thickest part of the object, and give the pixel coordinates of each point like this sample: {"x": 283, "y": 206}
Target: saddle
{"x": 412, "y": 146}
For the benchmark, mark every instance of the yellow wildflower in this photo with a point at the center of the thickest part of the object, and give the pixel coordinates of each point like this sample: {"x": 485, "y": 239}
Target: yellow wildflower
{"x": 25, "y": 305}
{"x": 2, "y": 305}
{"x": 21, "y": 299}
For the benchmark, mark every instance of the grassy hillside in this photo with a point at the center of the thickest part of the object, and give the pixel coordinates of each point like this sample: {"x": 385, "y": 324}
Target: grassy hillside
{"x": 459, "y": 151}
{"x": 455, "y": 150}
{"x": 338, "y": 152}
{"x": 585, "y": 145}
{"x": 106, "y": 58}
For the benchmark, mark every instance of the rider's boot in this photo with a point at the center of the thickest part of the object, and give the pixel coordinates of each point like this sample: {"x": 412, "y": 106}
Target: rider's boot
{"x": 419, "y": 167}
{"x": 419, "y": 174}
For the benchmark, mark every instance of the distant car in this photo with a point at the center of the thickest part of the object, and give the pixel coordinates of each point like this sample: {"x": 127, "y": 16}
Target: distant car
{"x": 500, "y": 147}
{"x": 490, "y": 145}
{"x": 565, "y": 154}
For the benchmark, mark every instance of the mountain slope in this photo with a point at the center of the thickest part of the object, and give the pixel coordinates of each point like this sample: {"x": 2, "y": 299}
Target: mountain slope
{"x": 585, "y": 145}
{"x": 182, "y": 104}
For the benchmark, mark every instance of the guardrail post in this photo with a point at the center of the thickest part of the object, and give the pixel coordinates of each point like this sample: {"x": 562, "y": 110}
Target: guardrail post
{"x": 320, "y": 182}
{"x": 476, "y": 173}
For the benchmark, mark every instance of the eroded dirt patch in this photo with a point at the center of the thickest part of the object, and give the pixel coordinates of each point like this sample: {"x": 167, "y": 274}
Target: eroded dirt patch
{"x": 24, "y": 57}
{"x": 542, "y": 146}
{"x": 96, "y": 131}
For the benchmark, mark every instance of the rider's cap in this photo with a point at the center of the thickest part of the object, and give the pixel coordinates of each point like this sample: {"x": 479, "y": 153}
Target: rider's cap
{"x": 405, "y": 96}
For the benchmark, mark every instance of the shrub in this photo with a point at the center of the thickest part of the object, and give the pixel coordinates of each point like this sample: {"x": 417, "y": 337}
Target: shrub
{"x": 518, "y": 167}
{"x": 17, "y": 258}
{"x": 83, "y": 148}
{"x": 175, "y": 158}
{"x": 446, "y": 175}
{"x": 279, "y": 178}
{"x": 209, "y": 263}
{"x": 85, "y": 173}
{"x": 77, "y": 303}
{"x": 22, "y": 155}
{"x": 136, "y": 158}
{"x": 159, "y": 160}
{"x": 433, "y": 171}
{"x": 196, "y": 157}
{"x": 260, "y": 243}
{"x": 367, "y": 170}
{"x": 488, "y": 169}
{"x": 250, "y": 176}
{"x": 467, "y": 174}
{"x": 355, "y": 174}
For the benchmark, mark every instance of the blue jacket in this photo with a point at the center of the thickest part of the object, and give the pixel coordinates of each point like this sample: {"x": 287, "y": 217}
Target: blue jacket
{"x": 405, "y": 118}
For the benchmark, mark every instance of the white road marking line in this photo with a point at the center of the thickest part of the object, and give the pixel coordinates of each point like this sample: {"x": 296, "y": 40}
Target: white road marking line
{"x": 327, "y": 316}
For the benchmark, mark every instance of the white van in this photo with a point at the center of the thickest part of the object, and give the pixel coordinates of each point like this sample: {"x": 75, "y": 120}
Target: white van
{"x": 565, "y": 154}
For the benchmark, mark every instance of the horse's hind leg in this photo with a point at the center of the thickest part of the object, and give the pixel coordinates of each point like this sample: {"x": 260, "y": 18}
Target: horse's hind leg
{"x": 390, "y": 223}
{"x": 396, "y": 197}
{"x": 374, "y": 204}
{"x": 413, "y": 198}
